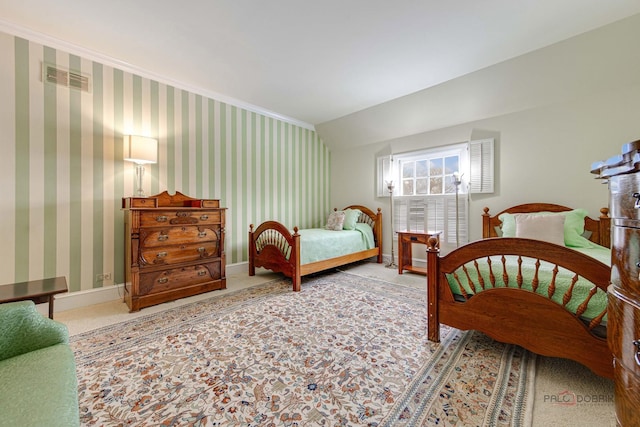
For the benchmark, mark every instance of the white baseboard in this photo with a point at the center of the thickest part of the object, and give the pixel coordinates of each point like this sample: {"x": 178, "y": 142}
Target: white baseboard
{"x": 79, "y": 299}
{"x": 72, "y": 300}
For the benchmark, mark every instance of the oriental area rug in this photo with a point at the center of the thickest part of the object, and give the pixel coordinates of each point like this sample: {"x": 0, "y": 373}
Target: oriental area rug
{"x": 345, "y": 351}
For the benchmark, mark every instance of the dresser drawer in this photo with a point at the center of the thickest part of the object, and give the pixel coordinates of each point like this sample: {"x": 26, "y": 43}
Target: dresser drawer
{"x": 177, "y": 278}
{"x": 623, "y": 330}
{"x": 168, "y": 255}
{"x": 625, "y": 259}
{"x": 622, "y": 201}
{"x": 418, "y": 237}
{"x": 162, "y": 218}
{"x": 415, "y": 238}
{"x": 154, "y": 237}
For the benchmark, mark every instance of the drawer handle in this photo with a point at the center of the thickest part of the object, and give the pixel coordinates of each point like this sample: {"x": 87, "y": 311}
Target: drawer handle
{"x": 206, "y": 217}
{"x": 163, "y": 280}
{"x": 161, "y": 218}
{"x": 163, "y": 237}
{"x": 161, "y": 255}
{"x": 636, "y": 343}
{"x": 202, "y": 234}
{"x": 201, "y": 250}
{"x": 202, "y": 273}
{"x": 637, "y": 197}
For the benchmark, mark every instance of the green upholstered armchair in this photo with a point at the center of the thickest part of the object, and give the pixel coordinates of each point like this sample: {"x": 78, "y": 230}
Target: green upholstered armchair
{"x": 38, "y": 383}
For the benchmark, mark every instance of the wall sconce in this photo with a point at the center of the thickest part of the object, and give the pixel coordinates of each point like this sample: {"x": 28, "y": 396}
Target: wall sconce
{"x": 141, "y": 151}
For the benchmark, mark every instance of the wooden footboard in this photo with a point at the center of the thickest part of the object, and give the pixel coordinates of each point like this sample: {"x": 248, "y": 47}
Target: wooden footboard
{"x": 274, "y": 247}
{"x": 517, "y": 315}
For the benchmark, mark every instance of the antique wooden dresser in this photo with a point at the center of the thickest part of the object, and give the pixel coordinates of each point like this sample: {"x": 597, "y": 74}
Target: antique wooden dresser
{"x": 174, "y": 248}
{"x": 623, "y": 328}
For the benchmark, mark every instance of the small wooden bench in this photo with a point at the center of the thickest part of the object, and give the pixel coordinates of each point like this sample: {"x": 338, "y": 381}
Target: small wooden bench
{"x": 38, "y": 291}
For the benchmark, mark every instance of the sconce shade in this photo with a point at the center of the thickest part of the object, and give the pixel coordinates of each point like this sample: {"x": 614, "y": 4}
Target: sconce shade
{"x": 140, "y": 149}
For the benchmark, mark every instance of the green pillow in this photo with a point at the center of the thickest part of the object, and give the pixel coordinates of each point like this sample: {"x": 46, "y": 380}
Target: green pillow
{"x": 350, "y": 218}
{"x": 573, "y": 226}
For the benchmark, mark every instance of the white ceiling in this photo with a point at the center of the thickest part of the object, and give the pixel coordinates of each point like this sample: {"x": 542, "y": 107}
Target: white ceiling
{"x": 312, "y": 61}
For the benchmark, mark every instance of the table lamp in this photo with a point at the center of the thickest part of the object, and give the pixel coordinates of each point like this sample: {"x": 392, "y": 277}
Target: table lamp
{"x": 141, "y": 151}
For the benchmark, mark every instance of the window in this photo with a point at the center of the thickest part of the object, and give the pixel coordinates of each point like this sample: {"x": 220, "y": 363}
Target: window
{"x": 427, "y": 198}
{"x": 431, "y": 172}
{"x": 428, "y": 174}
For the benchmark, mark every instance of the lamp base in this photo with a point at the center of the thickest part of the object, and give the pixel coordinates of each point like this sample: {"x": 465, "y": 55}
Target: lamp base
{"x": 139, "y": 176}
{"x": 392, "y": 262}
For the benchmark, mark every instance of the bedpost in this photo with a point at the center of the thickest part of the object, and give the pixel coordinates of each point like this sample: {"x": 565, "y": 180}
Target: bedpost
{"x": 252, "y": 252}
{"x": 378, "y": 233}
{"x": 433, "y": 274}
{"x": 486, "y": 223}
{"x": 605, "y": 228}
{"x": 295, "y": 259}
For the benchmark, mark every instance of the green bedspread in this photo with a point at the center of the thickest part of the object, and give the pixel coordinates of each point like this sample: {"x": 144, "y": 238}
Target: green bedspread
{"x": 318, "y": 244}
{"x": 597, "y": 304}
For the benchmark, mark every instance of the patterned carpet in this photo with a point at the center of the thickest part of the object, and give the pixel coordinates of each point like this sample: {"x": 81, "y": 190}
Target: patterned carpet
{"x": 346, "y": 351}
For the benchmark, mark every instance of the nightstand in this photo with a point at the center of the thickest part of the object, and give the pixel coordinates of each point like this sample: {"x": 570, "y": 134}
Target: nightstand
{"x": 406, "y": 239}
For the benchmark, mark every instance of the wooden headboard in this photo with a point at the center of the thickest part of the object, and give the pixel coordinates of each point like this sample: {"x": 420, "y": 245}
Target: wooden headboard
{"x": 600, "y": 228}
{"x": 374, "y": 219}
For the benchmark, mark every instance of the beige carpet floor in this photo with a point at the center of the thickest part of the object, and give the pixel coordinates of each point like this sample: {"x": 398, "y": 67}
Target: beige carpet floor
{"x": 565, "y": 394}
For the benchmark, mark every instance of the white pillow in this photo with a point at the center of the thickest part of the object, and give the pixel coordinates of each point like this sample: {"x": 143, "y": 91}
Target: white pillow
{"x": 547, "y": 228}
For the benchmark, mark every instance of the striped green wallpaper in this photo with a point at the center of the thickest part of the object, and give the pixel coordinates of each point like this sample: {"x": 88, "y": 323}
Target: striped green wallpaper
{"x": 63, "y": 175}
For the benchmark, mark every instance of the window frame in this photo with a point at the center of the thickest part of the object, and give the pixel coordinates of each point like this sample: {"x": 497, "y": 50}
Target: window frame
{"x": 397, "y": 161}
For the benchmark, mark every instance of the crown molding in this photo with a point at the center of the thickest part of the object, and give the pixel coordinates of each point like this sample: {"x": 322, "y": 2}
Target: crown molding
{"x": 74, "y": 49}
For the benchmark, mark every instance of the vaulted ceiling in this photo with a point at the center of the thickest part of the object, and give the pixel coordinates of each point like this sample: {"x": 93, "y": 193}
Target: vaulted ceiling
{"x": 313, "y": 61}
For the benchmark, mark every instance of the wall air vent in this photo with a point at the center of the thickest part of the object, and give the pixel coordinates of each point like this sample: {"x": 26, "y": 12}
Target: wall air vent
{"x": 59, "y": 76}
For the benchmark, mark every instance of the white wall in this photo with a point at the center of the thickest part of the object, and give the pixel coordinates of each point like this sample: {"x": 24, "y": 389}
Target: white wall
{"x": 553, "y": 113}
{"x": 542, "y": 155}
{"x": 605, "y": 59}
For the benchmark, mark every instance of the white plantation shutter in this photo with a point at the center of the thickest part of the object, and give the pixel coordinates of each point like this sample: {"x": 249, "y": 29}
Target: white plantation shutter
{"x": 383, "y": 172}
{"x": 441, "y": 216}
{"x": 433, "y": 213}
{"x": 461, "y": 223}
{"x": 400, "y": 215}
{"x": 481, "y": 167}
{"x": 409, "y": 214}
{"x": 416, "y": 215}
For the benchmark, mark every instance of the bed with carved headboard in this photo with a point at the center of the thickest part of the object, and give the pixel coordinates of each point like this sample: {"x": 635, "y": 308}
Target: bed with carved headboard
{"x": 295, "y": 254}
{"x": 547, "y": 296}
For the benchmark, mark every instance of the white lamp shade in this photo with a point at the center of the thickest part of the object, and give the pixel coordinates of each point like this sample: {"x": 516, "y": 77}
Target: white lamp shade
{"x": 140, "y": 149}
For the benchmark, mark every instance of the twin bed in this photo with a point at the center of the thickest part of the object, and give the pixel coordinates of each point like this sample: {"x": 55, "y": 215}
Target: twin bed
{"x": 303, "y": 252}
{"x": 546, "y": 297}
